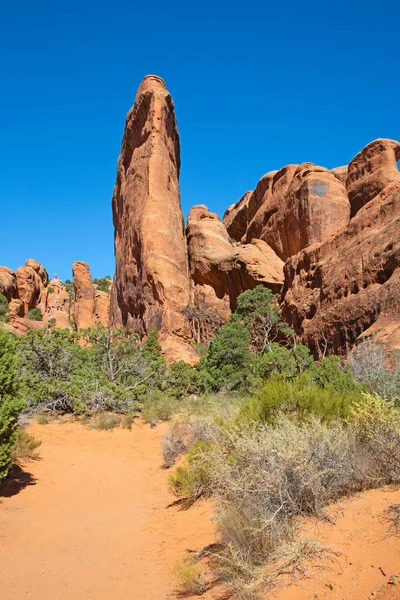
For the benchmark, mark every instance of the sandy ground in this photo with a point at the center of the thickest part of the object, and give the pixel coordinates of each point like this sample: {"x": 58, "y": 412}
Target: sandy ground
{"x": 90, "y": 520}
{"x": 368, "y": 552}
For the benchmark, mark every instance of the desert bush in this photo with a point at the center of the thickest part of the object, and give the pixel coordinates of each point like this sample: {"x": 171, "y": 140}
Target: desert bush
{"x": 50, "y": 290}
{"x": 35, "y": 314}
{"x": 190, "y": 581}
{"x": 379, "y": 370}
{"x": 265, "y": 476}
{"x": 104, "y": 421}
{"x": 25, "y": 447}
{"x": 11, "y": 404}
{"x": 301, "y": 398}
{"x": 128, "y": 420}
{"x": 185, "y": 429}
{"x": 194, "y": 481}
{"x": 159, "y": 406}
{"x": 42, "y": 419}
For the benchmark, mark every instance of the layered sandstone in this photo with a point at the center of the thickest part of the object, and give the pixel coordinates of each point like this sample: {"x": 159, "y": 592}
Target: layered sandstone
{"x": 349, "y": 286}
{"x": 84, "y": 306}
{"x": 151, "y": 284}
{"x": 8, "y": 283}
{"x": 220, "y": 270}
{"x": 32, "y": 281}
{"x": 292, "y": 208}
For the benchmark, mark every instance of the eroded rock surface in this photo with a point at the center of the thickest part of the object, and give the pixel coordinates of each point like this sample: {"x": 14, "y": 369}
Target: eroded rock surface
{"x": 84, "y": 306}
{"x": 151, "y": 284}
{"x": 220, "y": 270}
{"x": 335, "y": 291}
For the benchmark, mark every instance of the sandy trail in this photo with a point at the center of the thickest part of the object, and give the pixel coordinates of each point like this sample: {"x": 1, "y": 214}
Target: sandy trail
{"x": 90, "y": 519}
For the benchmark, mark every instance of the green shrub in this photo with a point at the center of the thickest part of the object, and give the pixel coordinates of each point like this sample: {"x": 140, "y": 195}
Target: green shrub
{"x": 103, "y": 284}
{"x": 35, "y": 314}
{"x": 301, "y": 398}
{"x": 158, "y": 406}
{"x": 11, "y": 403}
{"x": 330, "y": 375}
{"x": 284, "y": 361}
{"x": 193, "y": 480}
{"x": 4, "y": 309}
{"x": 229, "y": 361}
{"x": 50, "y": 290}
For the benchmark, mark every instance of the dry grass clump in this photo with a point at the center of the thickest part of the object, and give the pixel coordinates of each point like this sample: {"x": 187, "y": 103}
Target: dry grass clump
{"x": 42, "y": 419}
{"x": 190, "y": 581}
{"x": 25, "y": 447}
{"x": 184, "y": 431}
{"x": 105, "y": 421}
{"x": 266, "y": 476}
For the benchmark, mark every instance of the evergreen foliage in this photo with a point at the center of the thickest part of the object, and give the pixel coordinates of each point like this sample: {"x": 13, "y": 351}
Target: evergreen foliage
{"x": 11, "y": 403}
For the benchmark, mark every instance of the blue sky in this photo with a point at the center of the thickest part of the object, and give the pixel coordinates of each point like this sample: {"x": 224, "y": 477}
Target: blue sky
{"x": 256, "y": 85}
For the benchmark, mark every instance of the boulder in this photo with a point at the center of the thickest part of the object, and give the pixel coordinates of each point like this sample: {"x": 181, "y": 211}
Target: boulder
{"x": 8, "y": 283}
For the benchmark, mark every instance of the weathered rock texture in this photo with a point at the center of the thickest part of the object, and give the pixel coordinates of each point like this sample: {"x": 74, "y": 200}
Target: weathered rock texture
{"x": 32, "y": 281}
{"x": 84, "y": 305}
{"x": 151, "y": 284}
{"x": 8, "y": 283}
{"x": 101, "y": 307}
{"x": 221, "y": 270}
{"x": 291, "y": 209}
{"x": 349, "y": 285}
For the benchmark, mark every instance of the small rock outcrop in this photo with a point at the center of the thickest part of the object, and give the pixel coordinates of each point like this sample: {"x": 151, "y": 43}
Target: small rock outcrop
{"x": 151, "y": 284}
{"x": 32, "y": 281}
{"x": 8, "y": 283}
{"x": 221, "y": 270}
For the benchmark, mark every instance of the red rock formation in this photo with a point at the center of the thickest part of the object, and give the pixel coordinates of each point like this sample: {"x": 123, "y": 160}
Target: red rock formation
{"x": 371, "y": 170}
{"x": 57, "y": 296}
{"x": 335, "y": 291}
{"x": 297, "y": 206}
{"x": 221, "y": 270}
{"x": 32, "y": 280}
{"x": 84, "y": 307}
{"x": 8, "y": 283}
{"x": 151, "y": 284}
{"x": 102, "y": 307}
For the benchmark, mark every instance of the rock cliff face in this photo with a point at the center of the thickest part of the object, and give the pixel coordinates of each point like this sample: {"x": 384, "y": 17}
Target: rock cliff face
{"x": 151, "y": 284}
{"x": 349, "y": 285}
{"x": 291, "y": 209}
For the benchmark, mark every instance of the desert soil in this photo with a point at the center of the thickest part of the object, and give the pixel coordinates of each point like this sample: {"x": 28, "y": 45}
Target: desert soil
{"x": 91, "y": 520}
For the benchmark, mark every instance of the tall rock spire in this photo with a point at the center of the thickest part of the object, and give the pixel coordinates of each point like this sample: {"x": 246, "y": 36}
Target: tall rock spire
{"x": 151, "y": 284}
